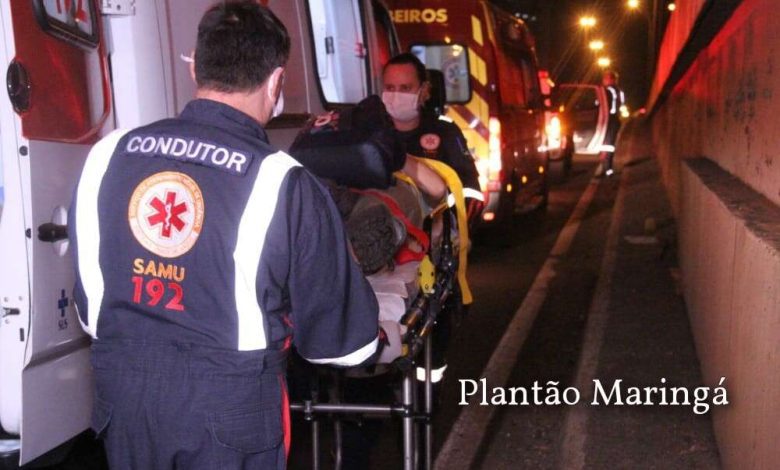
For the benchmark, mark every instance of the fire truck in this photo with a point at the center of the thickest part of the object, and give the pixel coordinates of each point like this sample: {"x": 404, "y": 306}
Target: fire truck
{"x": 489, "y": 64}
{"x": 76, "y": 70}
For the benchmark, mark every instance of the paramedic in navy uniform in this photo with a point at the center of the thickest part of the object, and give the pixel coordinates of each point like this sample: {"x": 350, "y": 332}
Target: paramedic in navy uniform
{"x": 426, "y": 135}
{"x": 202, "y": 254}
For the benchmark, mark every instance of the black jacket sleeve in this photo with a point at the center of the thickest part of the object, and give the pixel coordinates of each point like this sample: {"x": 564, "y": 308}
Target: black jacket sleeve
{"x": 455, "y": 153}
{"x": 334, "y": 311}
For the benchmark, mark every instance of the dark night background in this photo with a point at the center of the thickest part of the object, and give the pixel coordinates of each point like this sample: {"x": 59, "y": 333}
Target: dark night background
{"x": 562, "y": 45}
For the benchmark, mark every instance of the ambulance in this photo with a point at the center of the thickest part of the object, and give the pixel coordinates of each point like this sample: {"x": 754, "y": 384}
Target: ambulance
{"x": 76, "y": 70}
{"x": 489, "y": 64}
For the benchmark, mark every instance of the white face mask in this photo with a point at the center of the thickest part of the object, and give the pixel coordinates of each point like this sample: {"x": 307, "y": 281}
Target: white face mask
{"x": 279, "y": 106}
{"x": 402, "y": 107}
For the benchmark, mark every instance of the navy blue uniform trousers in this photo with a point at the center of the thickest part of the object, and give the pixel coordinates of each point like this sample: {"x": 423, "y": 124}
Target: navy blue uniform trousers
{"x": 613, "y": 127}
{"x": 181, "y": 406}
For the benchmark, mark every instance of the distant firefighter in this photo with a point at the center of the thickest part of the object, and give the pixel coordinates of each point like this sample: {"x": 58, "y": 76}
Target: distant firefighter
{"x": 615, "y": 100}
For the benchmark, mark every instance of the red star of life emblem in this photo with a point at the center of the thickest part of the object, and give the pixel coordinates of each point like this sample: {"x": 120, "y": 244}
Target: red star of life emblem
{"x": 167, "y": 213}
{"x": 430, "y": 141}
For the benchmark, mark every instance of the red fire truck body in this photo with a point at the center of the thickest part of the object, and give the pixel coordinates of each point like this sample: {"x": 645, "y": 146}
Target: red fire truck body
{"x": 489, "y": 64}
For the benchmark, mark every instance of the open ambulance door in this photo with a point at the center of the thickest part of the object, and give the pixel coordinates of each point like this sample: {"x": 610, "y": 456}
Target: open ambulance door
{"x": 338, "y": 52}
{"x": 57, "y": 104}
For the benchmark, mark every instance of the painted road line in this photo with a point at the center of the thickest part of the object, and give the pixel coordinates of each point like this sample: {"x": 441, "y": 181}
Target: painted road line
{"x": 575, "y": 426}
{"x": 465, "y": 437}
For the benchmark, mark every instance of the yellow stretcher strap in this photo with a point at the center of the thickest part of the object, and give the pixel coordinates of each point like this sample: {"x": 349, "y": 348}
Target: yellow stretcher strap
{"x": 404, "y": 177}
{"x": 455, "y": 187}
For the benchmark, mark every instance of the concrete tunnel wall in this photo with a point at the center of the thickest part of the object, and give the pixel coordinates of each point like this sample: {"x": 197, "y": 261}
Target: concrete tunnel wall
{"x": 716, "y": 134}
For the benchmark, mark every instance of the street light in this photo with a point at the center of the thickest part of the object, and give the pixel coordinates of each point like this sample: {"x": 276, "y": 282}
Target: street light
{"x": 671, "y": 7}
{"x": 632, "y": 4}
{"x": 596, "y": 45}
{"x": 587, "y": 22}
{"x": 604, "y": 62}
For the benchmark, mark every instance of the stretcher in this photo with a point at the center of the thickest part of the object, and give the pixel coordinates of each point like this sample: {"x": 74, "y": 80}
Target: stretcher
{"x": 440, "y": 277}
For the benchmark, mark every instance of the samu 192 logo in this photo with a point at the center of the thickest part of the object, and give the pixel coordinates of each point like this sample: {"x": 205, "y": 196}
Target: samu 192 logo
{"x": 166, "y": 213}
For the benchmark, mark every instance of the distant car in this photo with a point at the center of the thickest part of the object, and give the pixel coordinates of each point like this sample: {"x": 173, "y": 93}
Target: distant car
{"x": 583, "y": 112}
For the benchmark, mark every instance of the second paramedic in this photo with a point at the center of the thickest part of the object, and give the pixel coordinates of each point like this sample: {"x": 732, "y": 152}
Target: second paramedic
{"x": 427, "y": 135}
{"x": 406, "y": 89}
{"x": 202, "y": 254}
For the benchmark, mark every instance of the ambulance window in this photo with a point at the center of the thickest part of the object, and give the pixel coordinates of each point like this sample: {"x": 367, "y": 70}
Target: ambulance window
{"x": 452, "y": 60}
{"x": 73, "y": 20}
{"x": 510, "y": 81}
{"x": 533, "y": 95}
{"x": 340, "y": 50}
{"x": 518, "y": 82}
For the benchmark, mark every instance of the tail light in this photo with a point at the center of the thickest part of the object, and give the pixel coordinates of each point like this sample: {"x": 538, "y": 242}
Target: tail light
{"x": 494, "y": 149}
{"x": 490, "y": 173}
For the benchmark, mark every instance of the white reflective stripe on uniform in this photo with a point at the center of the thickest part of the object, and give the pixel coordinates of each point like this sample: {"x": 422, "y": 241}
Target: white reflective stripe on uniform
{"x": 607, "y": 148}
{"x": 88, "y": 226}
{"x": 614, "y": 107}
{"x": 467, "y": 193}
{"x": 473, "y": 194}
{"x": 351, "y": 359}
{"x": 436, "y": 374}
{"x": 254, "y": 224}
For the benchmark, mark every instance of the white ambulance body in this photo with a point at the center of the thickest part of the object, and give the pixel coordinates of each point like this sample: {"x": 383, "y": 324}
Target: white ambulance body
{"x": 77, "y": 69}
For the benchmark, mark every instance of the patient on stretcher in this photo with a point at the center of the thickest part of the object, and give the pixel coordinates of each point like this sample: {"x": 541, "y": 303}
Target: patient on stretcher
{"x": 385, "y": 229}
{"x": 383, "y": 196}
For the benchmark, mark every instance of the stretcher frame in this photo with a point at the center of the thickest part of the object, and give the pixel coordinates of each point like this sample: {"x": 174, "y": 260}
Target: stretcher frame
{"x": 420, "y": 319}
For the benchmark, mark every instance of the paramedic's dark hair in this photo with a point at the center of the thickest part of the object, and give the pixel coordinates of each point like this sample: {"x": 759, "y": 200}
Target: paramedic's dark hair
{"x": 239, "y": 44}
{"x": 411, "y": 59}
